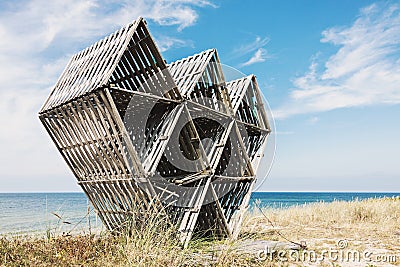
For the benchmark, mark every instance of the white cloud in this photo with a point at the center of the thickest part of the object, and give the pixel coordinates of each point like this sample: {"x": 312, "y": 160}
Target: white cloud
{"x": 37, "y": 38}
{"x": 164, "y": 12}
{"x": 253, "y": 46}
{"x": 365, "y": 70}
{"x": 259, "y": 56}
{"x": 165, "y": 43}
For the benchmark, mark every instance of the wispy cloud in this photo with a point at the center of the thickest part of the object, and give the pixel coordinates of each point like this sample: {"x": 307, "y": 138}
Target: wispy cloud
{"x": 251, "y": 47}
{"x": 251, "y": 53}
{"x": 37, "y": 37}
{"x": 365, "y": 70}
{"x": 180, "y": 13}
{"x": 165, "y": 43}
{"x": 259, "y": 56}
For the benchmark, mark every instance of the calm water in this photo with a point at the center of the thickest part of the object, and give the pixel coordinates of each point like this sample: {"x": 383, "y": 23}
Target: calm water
{"x": 38, "y": 212}
{"x": 63, "y": 212}
{"x": 287, "y": 199}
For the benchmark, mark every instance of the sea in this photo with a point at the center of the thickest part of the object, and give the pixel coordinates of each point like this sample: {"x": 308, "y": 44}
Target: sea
{"x": 65, "y": 213}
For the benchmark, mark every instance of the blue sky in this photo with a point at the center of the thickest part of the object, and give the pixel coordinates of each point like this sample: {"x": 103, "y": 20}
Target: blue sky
{"x": 330, "y": 71}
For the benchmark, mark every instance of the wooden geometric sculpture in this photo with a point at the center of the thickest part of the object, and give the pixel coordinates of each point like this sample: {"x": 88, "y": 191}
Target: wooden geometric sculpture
{"x": 136, "y": 131}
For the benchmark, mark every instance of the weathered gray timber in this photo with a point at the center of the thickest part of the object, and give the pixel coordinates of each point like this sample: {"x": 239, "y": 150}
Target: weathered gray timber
{"x": 140, "y": 135}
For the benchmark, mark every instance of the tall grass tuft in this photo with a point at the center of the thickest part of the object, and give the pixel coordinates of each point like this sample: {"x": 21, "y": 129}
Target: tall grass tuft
{"x": 153, "y": 241}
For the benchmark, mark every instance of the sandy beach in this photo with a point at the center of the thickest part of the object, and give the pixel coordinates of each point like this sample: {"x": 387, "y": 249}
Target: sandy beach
{"x": 357, "y": 233}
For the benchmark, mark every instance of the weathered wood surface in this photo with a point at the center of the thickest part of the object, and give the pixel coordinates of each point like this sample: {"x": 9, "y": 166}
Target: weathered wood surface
{"x": 126, "y": 163}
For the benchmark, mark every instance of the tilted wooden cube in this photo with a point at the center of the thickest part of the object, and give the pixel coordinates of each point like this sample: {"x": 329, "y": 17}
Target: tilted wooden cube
{"x": 136, "y": 131}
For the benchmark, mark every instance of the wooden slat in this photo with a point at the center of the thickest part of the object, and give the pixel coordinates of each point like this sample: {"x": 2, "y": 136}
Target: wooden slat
{"x": 84, "y": 117}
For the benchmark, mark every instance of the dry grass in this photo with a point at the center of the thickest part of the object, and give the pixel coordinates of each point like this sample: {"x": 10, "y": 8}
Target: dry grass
{"x": 367, "y": 224}
{"x": 371, "y": 224}
{"x": 371, "y": 218}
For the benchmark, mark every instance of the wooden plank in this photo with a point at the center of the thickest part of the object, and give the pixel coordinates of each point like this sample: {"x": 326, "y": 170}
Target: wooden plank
{"x": 224, "y": 226}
